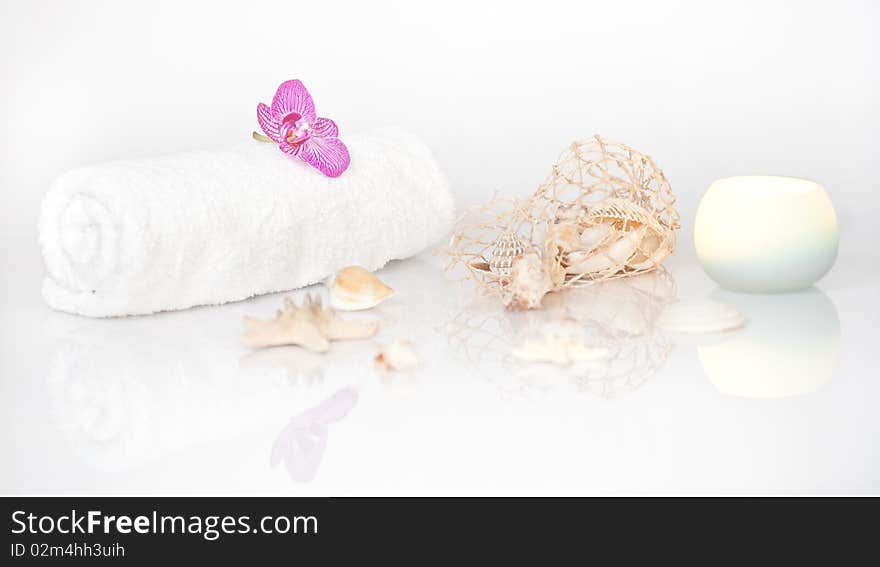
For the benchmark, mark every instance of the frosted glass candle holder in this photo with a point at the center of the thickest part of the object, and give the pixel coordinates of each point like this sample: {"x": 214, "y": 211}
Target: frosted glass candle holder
{"x": 766, "y": 234}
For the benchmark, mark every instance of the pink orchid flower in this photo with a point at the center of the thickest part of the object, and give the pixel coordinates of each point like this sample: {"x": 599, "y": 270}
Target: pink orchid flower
{"x": 292, "y": 123}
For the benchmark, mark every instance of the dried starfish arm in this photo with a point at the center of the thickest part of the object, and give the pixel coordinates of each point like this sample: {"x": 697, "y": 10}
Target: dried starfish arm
{"x": 292, "y": 325}
{"x": 332, "y": 327}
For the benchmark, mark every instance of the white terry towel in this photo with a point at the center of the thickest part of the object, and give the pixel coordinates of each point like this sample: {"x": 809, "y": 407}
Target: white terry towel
{"x": 205, "y": 228}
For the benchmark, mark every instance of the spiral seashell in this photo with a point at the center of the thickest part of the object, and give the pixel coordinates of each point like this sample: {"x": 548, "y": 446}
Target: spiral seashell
{"x": 506, "y": 248}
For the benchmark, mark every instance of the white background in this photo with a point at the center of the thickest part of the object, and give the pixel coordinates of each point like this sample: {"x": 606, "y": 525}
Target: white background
{"x": 497, "y": 89}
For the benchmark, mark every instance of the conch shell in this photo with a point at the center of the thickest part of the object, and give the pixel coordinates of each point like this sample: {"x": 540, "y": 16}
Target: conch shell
{"x": 355, "y": 288}
{"x": 529, "y": 283}
{"x": 311, "y": 326}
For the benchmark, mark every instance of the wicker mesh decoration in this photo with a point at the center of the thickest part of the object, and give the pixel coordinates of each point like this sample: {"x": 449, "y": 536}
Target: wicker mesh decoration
{"x": 606, "y": 211}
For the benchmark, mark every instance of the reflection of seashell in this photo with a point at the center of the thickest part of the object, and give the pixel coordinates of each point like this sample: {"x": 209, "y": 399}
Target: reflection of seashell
{"x": 397, "y": 355}
{"x": 529, "y": 283}
{"x": 562, "y": 343}
{"x": 354, "y": 288}
{"x": 507, "y": 247}
{"x": 699, "y": 317}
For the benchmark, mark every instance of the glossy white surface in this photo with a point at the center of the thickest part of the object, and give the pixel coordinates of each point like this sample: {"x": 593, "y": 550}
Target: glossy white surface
{"x": 173, "y": 404}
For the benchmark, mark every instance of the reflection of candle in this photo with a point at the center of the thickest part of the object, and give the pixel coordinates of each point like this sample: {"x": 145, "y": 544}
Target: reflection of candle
{"x": 788, "y": 348}
{"x": 764, "y": 234}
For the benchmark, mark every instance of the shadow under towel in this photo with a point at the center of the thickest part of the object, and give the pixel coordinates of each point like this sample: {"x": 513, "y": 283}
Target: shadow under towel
{"x": 209, "y": 227}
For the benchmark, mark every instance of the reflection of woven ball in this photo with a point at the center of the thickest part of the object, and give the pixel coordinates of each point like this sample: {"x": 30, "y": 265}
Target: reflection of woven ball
{"x": 616, "y": 315}
{"x": 633, "y": 363}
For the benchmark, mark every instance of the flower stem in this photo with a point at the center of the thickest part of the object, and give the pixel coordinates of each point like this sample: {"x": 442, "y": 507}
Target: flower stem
{"x": 261, "y": 138}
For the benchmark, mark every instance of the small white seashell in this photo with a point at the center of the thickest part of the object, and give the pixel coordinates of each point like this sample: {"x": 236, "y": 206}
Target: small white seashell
{"x": 563, "y": 236}
{"x": 506, "y": 248}
{"x": 355, "y": 288}
{"x": 563, "y": 343}
{"x": 529, "y": 283}
{"x": 699, "y": 317}
{"x": 397, "y": 355}
{"x": 653, "y": 249}
{"x": 614, "y": 255}
{"x": 592, "y": 236}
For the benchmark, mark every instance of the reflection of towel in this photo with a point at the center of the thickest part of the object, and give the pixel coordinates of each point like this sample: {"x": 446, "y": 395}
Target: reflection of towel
{"x": 202, "y": 228}
{"x": 125, "y": 392}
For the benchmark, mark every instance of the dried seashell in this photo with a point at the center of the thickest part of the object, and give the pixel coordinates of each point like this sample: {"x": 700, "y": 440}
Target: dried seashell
{"x": 654, "y": 244}
{"x": 529, "y": 283}
{"x": 565, "y": 235}
{"x": 507, "y": 247}
{"x": 561, "y": 238}
{"x": 310, "y": 326}
{"x": 623, "y": 214}
{"x": 480, "y": 267}
{"x": 355, "y": 288}
{"x": 563, "y": 343}
{"x": 699, "y": 317}
{"x": 614, "y": 234}
{"x": 397, "y": 355}
{"x": 594, "y": 236}
{"x": 611, "y": 256}
{"x": 653, "y": 248}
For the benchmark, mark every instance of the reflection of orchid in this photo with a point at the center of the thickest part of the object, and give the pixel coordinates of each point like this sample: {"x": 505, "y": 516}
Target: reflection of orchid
{"x": 302, "y": 442}
{"x": 292, "y": 123}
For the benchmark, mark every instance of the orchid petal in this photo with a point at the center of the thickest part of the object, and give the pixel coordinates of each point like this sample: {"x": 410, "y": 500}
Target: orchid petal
{"x": 268, "y": 123}
{"x": 292, "y": 96}
{"x": 290, "y": 149}
{"x": 329, "y": 155}
{"x": 324, "y": 128}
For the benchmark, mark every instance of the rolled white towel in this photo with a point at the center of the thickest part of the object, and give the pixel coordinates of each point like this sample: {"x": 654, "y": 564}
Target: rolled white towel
{"x": 205, "y": 228}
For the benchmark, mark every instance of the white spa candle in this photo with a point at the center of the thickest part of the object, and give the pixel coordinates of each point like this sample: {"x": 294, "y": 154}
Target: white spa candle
{"x": 766, "y": 234}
